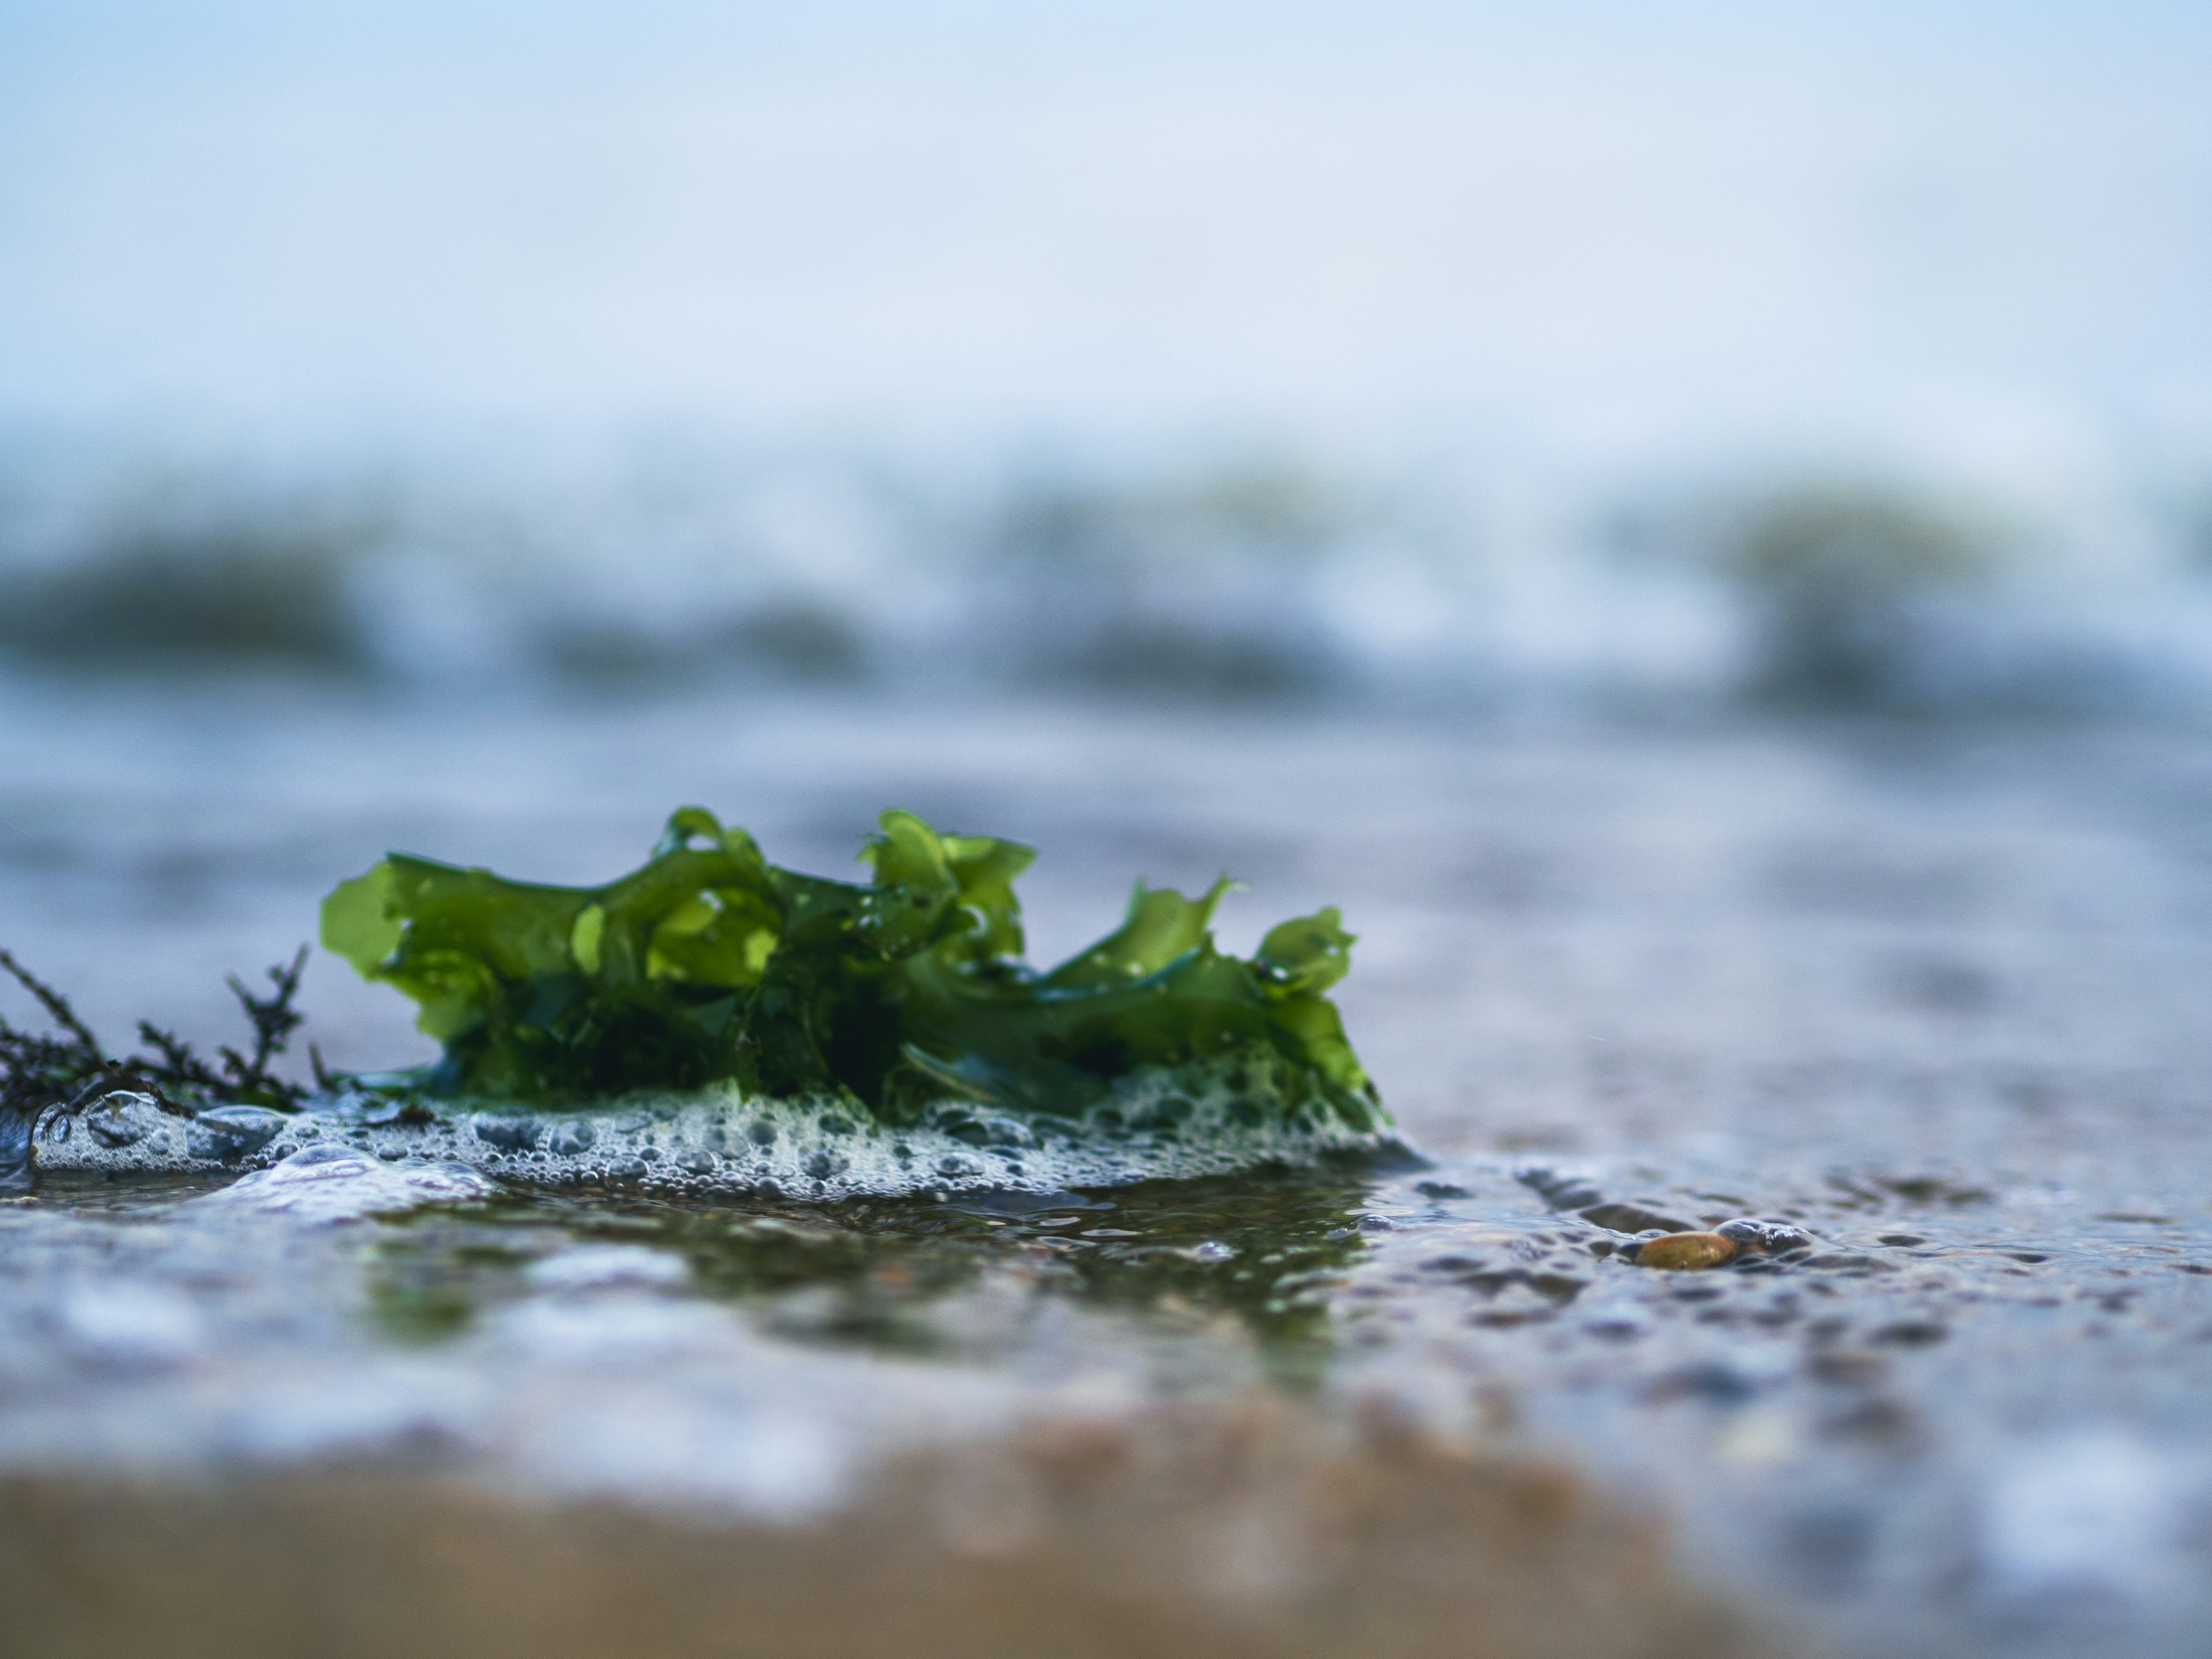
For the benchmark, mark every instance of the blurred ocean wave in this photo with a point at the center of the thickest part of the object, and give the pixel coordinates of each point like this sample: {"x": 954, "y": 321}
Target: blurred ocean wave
{"x": 1251, "y": 577}
{"x": 1855, "y": 358}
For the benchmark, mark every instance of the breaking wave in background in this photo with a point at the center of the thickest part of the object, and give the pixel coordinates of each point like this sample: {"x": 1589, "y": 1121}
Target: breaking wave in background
{"x": 1258, "y": 576}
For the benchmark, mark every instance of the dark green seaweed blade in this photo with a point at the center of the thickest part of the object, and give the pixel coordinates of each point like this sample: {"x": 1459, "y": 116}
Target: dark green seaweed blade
{"x": 708, "y": 964}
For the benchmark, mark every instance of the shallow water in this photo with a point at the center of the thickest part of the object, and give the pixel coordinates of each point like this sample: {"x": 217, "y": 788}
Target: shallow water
{"x": 1933, "y": 995}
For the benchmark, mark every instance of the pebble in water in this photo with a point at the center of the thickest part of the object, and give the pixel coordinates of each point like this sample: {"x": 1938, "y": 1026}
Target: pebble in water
{"x": 1687, "y": 1252}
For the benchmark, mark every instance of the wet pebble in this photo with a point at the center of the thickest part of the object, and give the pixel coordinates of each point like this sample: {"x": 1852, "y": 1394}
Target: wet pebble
{"x": 1685, "y": 1252}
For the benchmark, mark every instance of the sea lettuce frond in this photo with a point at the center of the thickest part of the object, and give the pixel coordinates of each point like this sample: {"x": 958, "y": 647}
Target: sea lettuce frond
{"x": 709, "y": 964}
{"x": 1162, "y": 924}
{"x": 1307, "y": 954}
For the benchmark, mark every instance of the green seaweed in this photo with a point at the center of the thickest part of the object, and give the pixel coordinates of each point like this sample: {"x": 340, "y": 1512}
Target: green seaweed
{"x": 710, "y": 965}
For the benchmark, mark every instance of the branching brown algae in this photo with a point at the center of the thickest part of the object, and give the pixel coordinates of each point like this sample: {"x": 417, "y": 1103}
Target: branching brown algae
{"x": 47, "y": 1080}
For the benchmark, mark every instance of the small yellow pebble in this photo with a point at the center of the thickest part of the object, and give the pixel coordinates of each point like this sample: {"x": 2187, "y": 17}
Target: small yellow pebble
{"x": 1684, "y": 1251}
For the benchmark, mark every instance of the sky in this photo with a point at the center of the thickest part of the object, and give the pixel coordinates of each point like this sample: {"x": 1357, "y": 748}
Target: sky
{"x": 1584, "y": 227}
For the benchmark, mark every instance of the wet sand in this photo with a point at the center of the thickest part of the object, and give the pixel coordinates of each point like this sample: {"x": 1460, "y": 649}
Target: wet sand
{"x": 1240, "y": 1531}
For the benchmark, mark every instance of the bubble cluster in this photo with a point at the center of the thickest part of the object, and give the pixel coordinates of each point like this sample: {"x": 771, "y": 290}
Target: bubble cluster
{"x": 1158, "y": 1123}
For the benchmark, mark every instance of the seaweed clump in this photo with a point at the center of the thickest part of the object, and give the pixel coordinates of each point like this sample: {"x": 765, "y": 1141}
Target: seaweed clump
{"x": 710, "y": 965}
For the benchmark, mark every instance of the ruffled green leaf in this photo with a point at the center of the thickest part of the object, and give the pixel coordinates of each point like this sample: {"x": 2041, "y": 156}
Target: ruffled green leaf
{"x": 1161, "y": 926}
{"x": 709, "y": 964}
{"x": 1307, "y": 953}
{"x": 359, "y": 922}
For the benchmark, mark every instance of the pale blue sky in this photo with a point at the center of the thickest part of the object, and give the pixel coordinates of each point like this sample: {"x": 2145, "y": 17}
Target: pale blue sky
{"x": 1603, "y": 220}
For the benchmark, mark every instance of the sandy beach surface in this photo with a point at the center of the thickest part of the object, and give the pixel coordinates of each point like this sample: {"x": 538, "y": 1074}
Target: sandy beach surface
{"x": 1931, "y": 993}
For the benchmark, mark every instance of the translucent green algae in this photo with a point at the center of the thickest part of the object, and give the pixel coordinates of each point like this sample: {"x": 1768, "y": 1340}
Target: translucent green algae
{"x": 710, "y": 965}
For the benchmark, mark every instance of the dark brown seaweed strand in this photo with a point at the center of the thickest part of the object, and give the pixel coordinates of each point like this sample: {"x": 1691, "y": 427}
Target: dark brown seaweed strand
{"x": 274, "y": 1019}
{"x": 40, "y": 1071}
{"x": 57, "y": 1006}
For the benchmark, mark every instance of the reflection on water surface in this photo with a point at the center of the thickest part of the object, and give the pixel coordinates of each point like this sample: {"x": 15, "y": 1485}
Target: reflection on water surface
{"x": 1262, "y": 1249}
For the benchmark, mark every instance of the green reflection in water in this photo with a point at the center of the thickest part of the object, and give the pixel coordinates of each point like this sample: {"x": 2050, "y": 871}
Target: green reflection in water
{"x": 1263, "y": 1249}
{"x": 426, "y": 1283}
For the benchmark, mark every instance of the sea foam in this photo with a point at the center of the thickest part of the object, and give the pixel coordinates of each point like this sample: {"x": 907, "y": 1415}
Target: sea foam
{"x": 1156, "y": 1124}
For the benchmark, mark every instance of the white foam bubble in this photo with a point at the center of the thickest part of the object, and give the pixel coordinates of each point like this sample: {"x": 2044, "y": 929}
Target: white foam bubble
{"x": 1157, "y": 1123}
